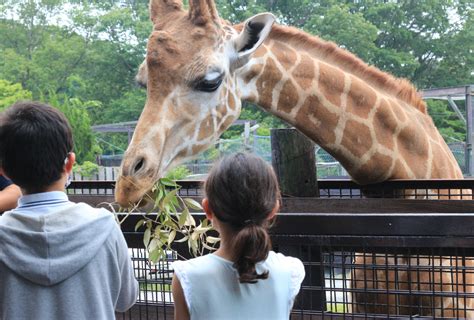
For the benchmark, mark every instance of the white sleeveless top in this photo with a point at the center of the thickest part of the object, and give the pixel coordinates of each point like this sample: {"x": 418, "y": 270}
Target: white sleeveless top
{"x": 212, "y": 290}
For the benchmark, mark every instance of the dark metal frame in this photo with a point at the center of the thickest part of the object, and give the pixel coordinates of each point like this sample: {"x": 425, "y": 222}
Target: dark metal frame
{"x": 322, "y": 230}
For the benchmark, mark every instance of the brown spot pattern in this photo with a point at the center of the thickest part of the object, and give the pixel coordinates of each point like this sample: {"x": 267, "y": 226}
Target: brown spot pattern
{"x": 375, "y": 169}
{"x": 304, "y": 72}
{"x": 288, "y": 97}
{"x": 267, "y": 81}
{"x": 385, "y": 125}
{"x": 331, "y": 83}
{"x": 361, "y": 98}
{"x": 285, "y": 55}
{"x": 260, "y": 52}
{"x": 224, "y": 125}
{"x": 205, "y": 129}
{"x": 399, "y": 171}
{"x": 356, "y": 138}
{"x": 252, "y": 73}
{"x": 325, "y": 132}
{"x": 398, "y": 111}
{"x": 413, "y": 147}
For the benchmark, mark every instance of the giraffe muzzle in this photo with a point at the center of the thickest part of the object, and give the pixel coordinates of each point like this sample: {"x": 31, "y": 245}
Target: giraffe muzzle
{"x": 137, "y": 177}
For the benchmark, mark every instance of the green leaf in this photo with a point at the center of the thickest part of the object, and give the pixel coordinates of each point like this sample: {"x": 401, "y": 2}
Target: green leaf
{"x": 190, "y": 221}
{"x": 211, "y": 239}
{"x": 208, "y": 247}
{"x": 183, "y": 217}
{"x": 193, "y": 204}
{"x": 155, "y": 255}
{"x": 185, "y": 238}
{"x": 146, "y": 237}
{"x": 168, "y": 182}
{"x": 168, "y": 197}
{"x": 139, "y": 224}
{"x": 154, "y": 243}
{"x": 171, "y": 237}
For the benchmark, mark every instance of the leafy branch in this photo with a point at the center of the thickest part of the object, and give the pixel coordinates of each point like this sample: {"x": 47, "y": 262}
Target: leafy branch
{"x": 170, "y": 221}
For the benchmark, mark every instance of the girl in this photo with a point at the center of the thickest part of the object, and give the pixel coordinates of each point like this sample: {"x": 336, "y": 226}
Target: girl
{"x": 243, "y": 279}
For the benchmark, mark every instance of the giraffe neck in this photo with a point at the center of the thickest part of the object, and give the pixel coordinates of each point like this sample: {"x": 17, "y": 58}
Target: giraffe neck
{"x": 376, "y": 126}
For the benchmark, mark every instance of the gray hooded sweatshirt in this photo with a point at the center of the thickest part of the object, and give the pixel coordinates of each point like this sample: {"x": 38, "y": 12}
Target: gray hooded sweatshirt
{"x": 72, "y": 263}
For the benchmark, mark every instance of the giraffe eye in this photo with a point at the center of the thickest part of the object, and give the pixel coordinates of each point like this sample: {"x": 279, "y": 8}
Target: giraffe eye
{"x": 207, "y": 85}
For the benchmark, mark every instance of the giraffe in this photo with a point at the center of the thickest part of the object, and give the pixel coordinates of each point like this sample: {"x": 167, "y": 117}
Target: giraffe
{"x": 198, "y": 69}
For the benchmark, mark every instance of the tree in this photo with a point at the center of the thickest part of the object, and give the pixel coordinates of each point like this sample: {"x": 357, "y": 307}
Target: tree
{"x": 11, "y": 93}
{"x": 449, "y": 125}
{"x": 75, "y": 110}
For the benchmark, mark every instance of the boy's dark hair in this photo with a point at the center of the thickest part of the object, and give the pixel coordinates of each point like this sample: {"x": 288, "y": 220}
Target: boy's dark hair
{"x": 242, "y": 191}
{"x": 35, "y": 139}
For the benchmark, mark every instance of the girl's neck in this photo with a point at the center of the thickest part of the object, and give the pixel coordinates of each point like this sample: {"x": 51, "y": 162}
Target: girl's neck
{"x": 225, "y": 249}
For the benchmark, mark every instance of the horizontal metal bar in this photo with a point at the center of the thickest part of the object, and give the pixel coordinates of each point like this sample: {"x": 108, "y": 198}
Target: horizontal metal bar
{"x": 322, "y": 184}
{"x": 444, "y": 92}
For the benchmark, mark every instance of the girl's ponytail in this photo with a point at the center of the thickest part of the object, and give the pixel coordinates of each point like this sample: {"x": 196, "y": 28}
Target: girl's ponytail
{"x": 243, "y": 191}
{"x": 251, "y": 245}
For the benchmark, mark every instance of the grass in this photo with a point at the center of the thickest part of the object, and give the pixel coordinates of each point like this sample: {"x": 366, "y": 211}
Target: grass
{"x": 336, "y": 307}
{"x": 157, "y": 287}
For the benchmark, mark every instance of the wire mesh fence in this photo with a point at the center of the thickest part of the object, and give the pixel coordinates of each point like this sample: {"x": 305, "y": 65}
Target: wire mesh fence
{"x": 411, "y": 283}
{"x": 154, "y": 299}
{"x": 333, "y": 189}
{"x": 371, "y": 266}
{"x": 365, "y": 258}
{"x": 327, "y": 166}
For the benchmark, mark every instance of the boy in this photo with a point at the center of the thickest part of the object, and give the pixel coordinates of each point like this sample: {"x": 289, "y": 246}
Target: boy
{"x": 58, "y": 259}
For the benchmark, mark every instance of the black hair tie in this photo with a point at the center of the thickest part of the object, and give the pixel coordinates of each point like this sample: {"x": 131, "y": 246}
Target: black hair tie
{"x": 249, "y": 222}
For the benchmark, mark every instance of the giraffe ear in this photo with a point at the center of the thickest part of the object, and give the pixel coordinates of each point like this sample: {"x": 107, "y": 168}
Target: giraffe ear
{"x": 255, "y": 31}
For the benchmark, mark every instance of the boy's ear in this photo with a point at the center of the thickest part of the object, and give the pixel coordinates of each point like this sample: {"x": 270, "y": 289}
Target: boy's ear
{"x": 255, "y": 31}
{"x": 207, "y": 210}
{"x": 70, "y": 160}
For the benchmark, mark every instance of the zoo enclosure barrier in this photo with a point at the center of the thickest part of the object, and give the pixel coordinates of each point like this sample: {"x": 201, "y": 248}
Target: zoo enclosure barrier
{"x": 365, "y": 258}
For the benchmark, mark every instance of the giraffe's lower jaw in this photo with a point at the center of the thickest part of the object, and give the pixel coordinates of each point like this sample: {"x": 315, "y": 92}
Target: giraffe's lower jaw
{"x": 130, "y": 191}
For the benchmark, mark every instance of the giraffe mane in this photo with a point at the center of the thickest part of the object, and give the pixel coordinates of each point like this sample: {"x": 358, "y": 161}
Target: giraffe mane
{"x": 330, "y": 52}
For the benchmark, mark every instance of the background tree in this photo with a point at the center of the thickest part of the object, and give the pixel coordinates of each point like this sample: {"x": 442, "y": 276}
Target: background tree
{"x": 11, "y": 93}
{"x": 91, "y": 50}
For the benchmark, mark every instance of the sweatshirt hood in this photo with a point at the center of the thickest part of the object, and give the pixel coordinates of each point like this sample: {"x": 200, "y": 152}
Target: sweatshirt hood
{"x": 48, "y": 249}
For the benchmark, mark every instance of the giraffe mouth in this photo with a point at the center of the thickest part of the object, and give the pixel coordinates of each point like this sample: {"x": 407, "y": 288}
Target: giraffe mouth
{"x": 130, "y": 191}
{"x": 136, "y": 182}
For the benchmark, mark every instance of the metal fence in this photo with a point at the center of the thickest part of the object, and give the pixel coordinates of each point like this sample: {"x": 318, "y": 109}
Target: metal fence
{"x": 327, "y": 165}
{"x": 329, "y": 188}
{"x": 367, "y": 258}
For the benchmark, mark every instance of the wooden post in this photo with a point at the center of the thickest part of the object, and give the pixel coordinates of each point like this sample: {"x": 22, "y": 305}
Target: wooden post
{"x": 294, "y": 162}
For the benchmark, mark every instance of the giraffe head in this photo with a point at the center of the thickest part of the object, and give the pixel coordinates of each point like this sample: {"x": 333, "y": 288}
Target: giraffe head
{"x": 192, "y": 94}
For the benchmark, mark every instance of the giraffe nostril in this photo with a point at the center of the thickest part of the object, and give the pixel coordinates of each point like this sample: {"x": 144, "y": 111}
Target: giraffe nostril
{"x": 139, "y": 165}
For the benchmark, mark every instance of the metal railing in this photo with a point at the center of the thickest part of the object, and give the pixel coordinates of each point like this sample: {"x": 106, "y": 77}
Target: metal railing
{"x": 367, "y": 258}
{"x": 343, "y": 188}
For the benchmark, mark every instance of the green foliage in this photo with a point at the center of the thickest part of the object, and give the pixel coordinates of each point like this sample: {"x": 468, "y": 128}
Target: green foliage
{"x": 75, "y": 110}
{"x": 449, "y": 125}
{"x": 90, "y": 50}
{"x": 86, "y": 169}
{"x": 11, "y": 93}
{"x": 173, "y": 223}
{"x": 178, "y": 173}
{"x": 350, "y": 30}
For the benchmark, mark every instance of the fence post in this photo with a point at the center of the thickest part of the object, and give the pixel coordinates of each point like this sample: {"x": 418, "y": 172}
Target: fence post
{"x": 294, "y": 162}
